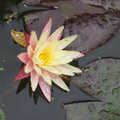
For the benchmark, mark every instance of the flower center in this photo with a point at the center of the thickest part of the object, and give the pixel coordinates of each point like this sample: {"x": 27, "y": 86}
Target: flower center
{"x": 46, "y": 56}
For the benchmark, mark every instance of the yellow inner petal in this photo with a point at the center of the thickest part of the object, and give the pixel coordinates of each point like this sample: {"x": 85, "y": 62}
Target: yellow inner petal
{"x": 45, "y": 55}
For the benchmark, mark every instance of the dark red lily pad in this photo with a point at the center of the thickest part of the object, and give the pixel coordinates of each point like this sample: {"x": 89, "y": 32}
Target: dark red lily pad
{"x": 64, "y": 9}
{"x": 94, "y": 30}
{"x": 94, "y": 25}
{"x": 31, "y": 2}
{"x": 107, "y": 4}
{"x": 102, "y": 81}
{"x": 89, "y": 111}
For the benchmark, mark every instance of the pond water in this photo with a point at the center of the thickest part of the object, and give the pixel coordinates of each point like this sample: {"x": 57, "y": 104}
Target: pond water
{"x": 21, "y": 106}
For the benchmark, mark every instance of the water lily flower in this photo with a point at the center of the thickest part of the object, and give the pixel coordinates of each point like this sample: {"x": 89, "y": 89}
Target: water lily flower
{"x": 46, "y": 59}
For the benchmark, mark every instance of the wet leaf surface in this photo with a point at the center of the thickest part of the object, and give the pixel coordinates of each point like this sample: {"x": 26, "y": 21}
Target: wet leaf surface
{"x": 94, "y": 25}
{"x": 102, "y": 81}
{"x": 94, "y": 30}
{"x": 64, "y": 9}
{"x": 107, "y": 4}
{"x": 89, "y": 111}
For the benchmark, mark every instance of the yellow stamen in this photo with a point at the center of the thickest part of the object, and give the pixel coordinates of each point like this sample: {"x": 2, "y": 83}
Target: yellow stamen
{"x": 46, "y": 55}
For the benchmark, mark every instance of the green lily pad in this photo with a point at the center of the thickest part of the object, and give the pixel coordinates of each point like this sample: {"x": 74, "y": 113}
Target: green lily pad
{"x": 89, "y": 111}
{"x": 102, "y": 81}
{"x": 2, "y": 114}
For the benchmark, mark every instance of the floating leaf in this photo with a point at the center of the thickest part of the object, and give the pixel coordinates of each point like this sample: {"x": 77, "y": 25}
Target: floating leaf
{"x": 19, "y": 37}
{"x": 2, "y": 114}
{"x": 94, "y": 30}
{"x": 89, "y": 111}
{"x": 102, "y": 81}
{"x": 94, "y": 25}
{"x": 107, "y": 4}
{"x": 31, "y": 2}
{"x": 65, "y": 9}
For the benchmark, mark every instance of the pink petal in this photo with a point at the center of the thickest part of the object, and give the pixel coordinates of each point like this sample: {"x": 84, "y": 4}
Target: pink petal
{"x": 58, "y": 81}
{"x": 59, "y": 37}
{"x": 46, "y": 77}
{"x": 21, "y": 74}
{"x": 45, "y": 89}
{"x": 23, "y": 57}
{"x": 56, "y": 35}
{"x": 30, "y": 51}
{"x": 65, "y": 42}
{"x": 80, "y": 55}
{"x": 71, "y": 68}
{"x": 29, "y": 67}
{"x": 33, "y": 40}
{"x": 34, "y": 80}
{"x": 64, "y": 70}
{"x": 48, "y": 27}
{"x": 27, "y": 37}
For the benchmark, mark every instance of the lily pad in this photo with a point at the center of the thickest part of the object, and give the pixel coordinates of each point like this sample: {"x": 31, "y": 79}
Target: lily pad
{"x": 2, "y": 114}
{"x": 94, "y": 25}
{"x": 94, "y": 30}
{"x": 89, "y": 111}
{"x": 107, "y": 4}
{"x": 64, "y": 9}
{"x": 102, "y": 81}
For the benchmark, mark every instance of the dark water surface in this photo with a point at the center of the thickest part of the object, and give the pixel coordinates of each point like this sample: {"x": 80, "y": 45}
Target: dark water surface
{"x": 21, "y": 106}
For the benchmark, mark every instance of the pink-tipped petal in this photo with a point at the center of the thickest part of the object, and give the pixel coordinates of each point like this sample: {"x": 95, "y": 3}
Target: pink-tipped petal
{"x": 45, "y": 89}
{"x": 29, "y": 67}
{"x": 64, "y": 70}
{"x": 42, "y": 41}
{"x": 57, "y": 80}
{"x": 51, "y": 69}
{"x": 33, "y": 40}
{"x": 80, "y": 55}
{"x": 72, "y": 54}
{"x": 30, "y": 51}
{"x": 21, "y": 74}
{"x": 37, "y": 69}
{"x": 27, "y": 37}
{"x": 23, "y": 57}
{"x": 71, "y": 68}
{"x": 48, "y": 27}
{"x": 34, "y": 80}
{"x": 65, "y": 42}
{"x": 56, "y": 35}
{"x": 46, "y": 77}
{"x": 59, "y": 37}
{"x": 45, "y": 34}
